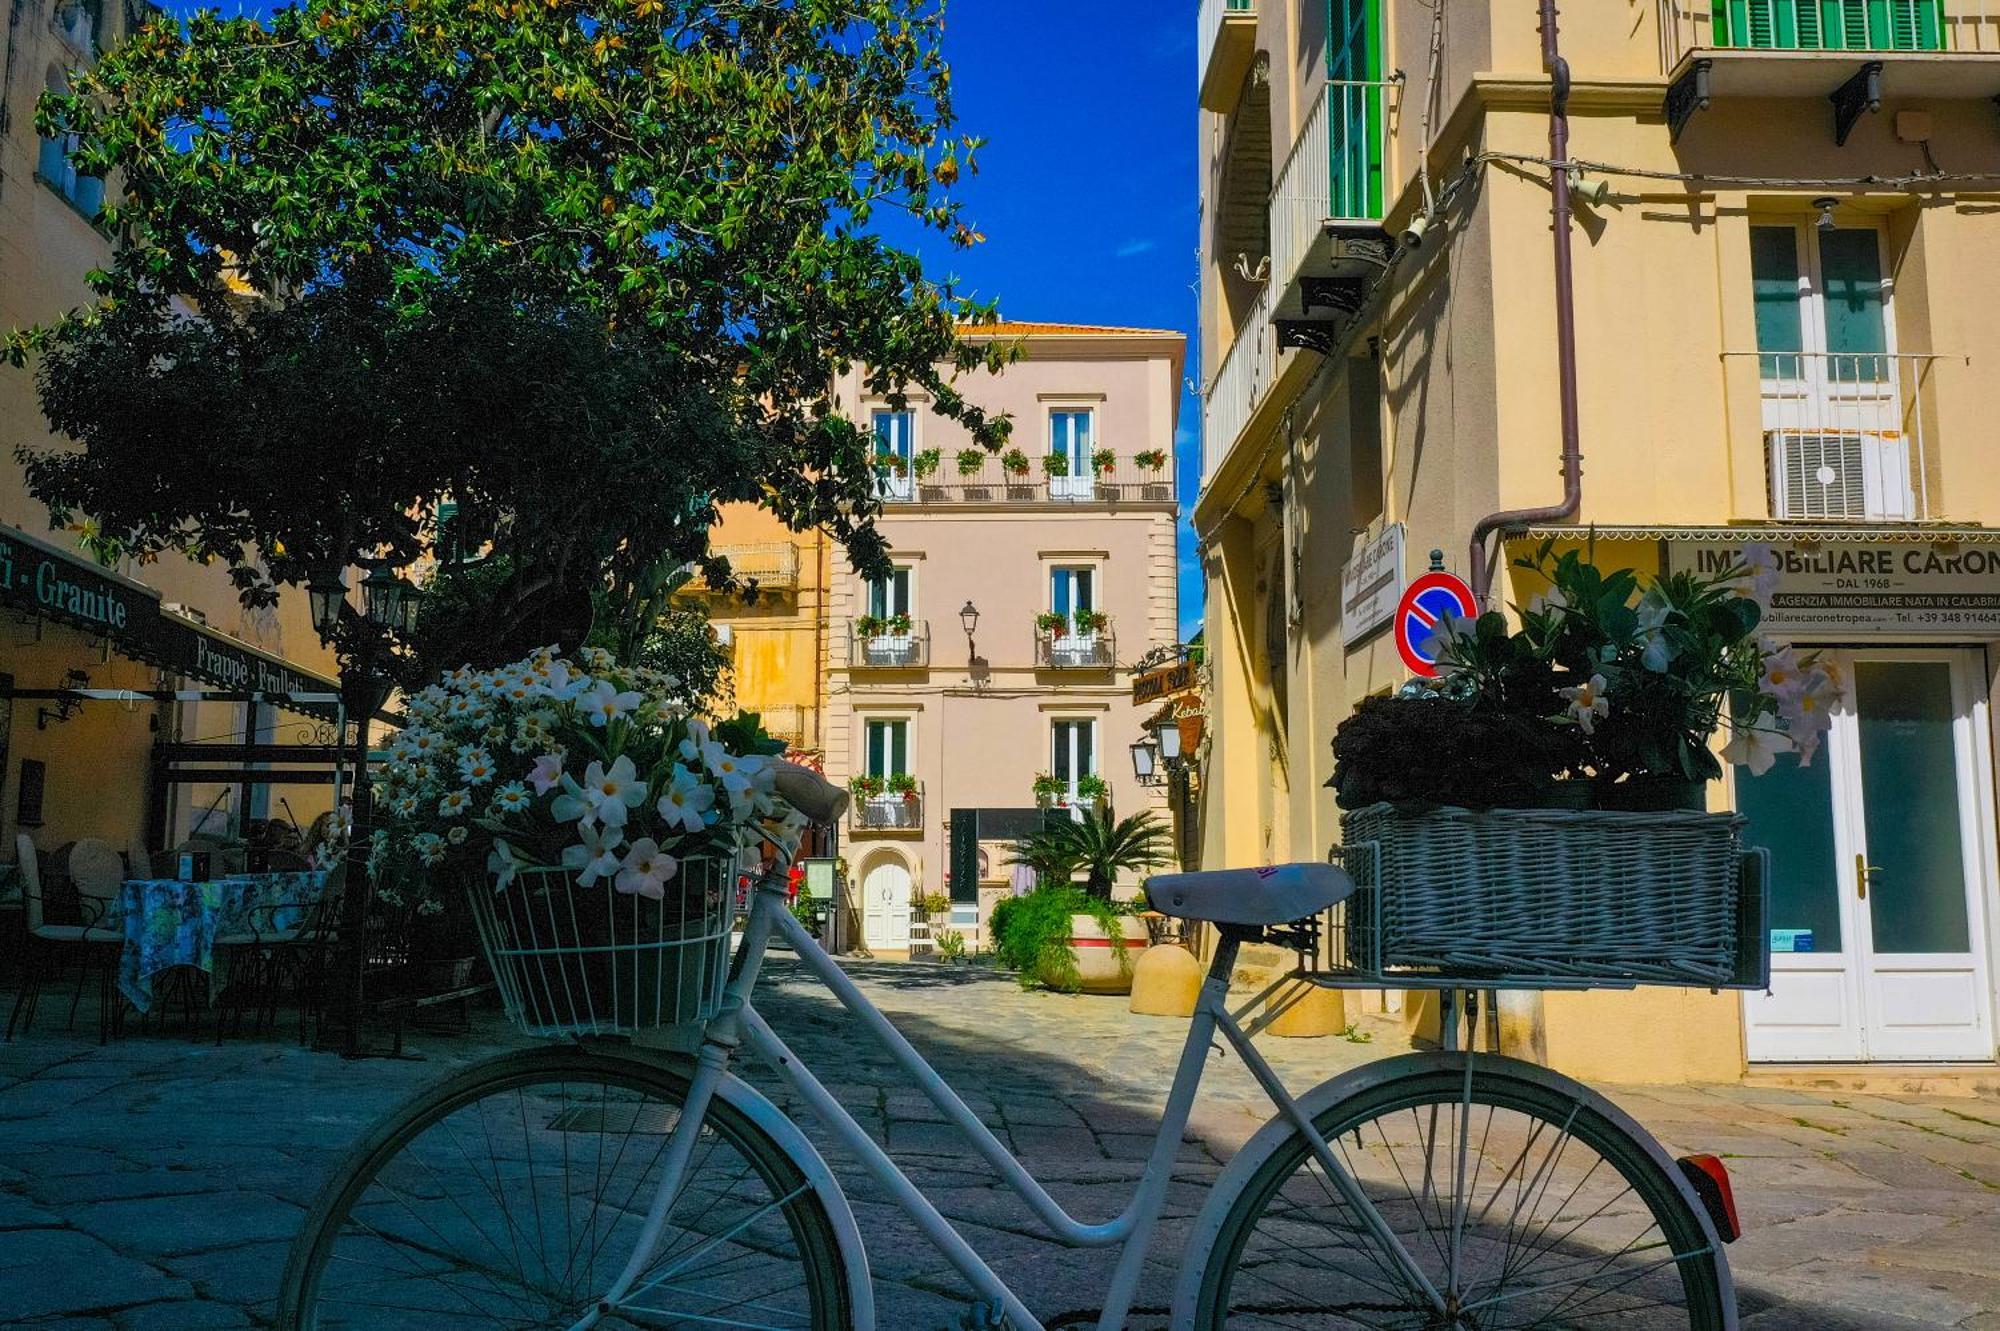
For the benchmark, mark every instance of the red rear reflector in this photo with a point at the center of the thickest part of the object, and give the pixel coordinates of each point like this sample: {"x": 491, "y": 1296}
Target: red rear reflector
{"x": 1710, "y": 1181}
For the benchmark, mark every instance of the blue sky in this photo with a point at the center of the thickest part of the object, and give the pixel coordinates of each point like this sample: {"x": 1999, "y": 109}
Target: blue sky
{"x": 1087, "y": 186}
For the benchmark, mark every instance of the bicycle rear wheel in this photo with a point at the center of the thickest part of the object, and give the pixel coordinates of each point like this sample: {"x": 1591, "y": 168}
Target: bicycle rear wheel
{"x": 1533, "y": 1209}
{"x": 512, "y": 1195}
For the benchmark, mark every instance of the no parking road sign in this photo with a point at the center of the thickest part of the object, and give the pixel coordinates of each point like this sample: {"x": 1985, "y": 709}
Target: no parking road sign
{"x": 1427, "y": 602}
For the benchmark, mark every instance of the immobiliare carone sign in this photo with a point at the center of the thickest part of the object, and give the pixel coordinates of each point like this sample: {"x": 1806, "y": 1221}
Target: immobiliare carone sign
{"x": 1835, "y": 588}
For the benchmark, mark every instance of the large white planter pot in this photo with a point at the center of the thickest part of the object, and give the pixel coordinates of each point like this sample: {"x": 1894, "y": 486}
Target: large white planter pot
{"x": 1097, "y": 954}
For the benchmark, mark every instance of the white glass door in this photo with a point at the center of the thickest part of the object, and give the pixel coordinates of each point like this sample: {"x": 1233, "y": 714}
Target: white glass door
{"x": 1882, "y": 872}
{"x": 1073, "y": 595}
{"x": 1071, "y": 438}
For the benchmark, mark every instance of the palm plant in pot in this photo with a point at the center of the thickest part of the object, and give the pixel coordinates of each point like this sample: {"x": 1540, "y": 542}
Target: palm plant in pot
{"x": 1072, "y": 936}
{"x": 607, "y": 822}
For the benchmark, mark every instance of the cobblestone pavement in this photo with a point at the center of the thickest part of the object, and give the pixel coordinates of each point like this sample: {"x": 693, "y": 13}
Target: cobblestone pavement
{"x": 153, "y": 1185}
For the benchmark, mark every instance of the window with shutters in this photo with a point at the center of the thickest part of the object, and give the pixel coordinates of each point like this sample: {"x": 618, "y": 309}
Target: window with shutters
{"x": 888, "y": 748}
{"x": 1830, "y": 25}
{"x": 1356, "y": 106}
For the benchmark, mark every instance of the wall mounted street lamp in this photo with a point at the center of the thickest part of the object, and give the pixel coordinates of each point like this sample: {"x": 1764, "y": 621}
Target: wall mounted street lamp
{"x": 1167, "y": 734}
{"x": 1146, "y": 762}
{"x": 968, "y": 616}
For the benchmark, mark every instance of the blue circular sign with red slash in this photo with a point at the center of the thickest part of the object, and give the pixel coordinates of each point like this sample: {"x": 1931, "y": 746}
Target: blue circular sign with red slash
{"x": 1427, "y": 602}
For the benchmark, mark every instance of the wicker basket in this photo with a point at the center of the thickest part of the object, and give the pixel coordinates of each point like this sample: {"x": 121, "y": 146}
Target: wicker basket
{"x": 1574, "y": 898}
{"x": 572, "y": 960}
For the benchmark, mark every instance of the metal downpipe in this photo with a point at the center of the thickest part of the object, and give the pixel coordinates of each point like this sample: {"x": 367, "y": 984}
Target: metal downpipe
{"x": 1565, "y": 297}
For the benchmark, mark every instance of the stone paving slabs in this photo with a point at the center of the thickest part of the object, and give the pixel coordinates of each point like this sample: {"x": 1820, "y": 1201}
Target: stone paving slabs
{"x": 152, "y": 1185}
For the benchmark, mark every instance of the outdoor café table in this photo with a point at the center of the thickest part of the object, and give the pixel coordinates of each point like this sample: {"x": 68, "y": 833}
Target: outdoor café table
{"x": 173, "y": 922}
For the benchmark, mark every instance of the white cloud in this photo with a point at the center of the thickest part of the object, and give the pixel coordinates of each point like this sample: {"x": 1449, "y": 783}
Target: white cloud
{"x": 1132, "y": 249}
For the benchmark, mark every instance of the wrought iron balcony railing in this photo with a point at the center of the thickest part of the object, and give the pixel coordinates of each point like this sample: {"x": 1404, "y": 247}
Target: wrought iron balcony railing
{"x": 1127, "y": 480}
{"x": 1075, "y": 649}
{"x": 889, "y": 812}
{"x": 1846, "y": 436}
{"x": 885, "y": 646}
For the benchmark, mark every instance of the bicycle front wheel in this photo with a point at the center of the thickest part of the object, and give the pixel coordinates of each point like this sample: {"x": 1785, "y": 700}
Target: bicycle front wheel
{"x": 1530, "y": 1208}
{"x": 512, "y": 1195}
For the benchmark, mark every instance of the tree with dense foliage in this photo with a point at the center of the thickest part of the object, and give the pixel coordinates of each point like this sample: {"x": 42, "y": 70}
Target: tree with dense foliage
{"x": 578, "y": 270}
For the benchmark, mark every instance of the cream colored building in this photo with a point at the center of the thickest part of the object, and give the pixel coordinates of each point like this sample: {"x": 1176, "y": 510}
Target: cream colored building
{"x": 1784, "y": 333}
{"x": 66, "y": 620}
{"x": 1070, "y": 570}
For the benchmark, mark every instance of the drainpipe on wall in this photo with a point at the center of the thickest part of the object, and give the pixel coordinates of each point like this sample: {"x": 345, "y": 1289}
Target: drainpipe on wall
{"x": 1521, "y": 1029}
{"x": 1565, "y": 294}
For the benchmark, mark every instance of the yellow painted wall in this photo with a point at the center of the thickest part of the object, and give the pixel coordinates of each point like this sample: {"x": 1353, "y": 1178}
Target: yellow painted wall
{"x": 97, "y": 761}
{"x": 1464, "y": 348}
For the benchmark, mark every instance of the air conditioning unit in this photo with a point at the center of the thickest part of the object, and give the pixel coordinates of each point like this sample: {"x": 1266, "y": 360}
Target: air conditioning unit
{"x": 1840, "y": 475}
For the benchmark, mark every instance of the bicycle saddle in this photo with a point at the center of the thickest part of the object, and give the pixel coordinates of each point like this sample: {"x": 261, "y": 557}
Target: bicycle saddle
{"x": 1275, "y": 894}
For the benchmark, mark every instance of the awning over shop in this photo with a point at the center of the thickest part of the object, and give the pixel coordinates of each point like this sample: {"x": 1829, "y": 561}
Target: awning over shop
{"x": 55, "y": 584}
{"x": 1775, "y": 534}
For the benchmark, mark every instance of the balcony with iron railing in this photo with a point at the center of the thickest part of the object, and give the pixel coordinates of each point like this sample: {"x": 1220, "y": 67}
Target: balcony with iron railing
{"x": 1836, "y": 49}
{"x": 1225, "y": 44}
{"x": 772, "y": 565}
{"x": 1145, "y": 477}
{"x": 1075, "y": 642}
{"x": 886, "y": 804}
{"x": 1327, "y": 250}
{"x": 1844, "y": 437}
{"x": 889, "y": 642}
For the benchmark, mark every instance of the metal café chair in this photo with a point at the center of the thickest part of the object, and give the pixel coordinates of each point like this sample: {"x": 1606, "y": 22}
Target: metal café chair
{"x": 51, "y": 944}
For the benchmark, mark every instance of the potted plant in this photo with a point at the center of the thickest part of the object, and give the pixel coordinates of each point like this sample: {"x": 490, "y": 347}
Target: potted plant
{"x": 891, "y": 462}
{"x": 951, "y": 946}
{"x": 926, "y": 463}
{"x": 1055, "y": 465}
{"x": 1090, "y": 621}
{"x": 904, "y": 785}
{"x": 870, "y": 626}
{"x": 1092, "y": 789}
{"x": 1014, "y": 462}
{"x": 866, "y": 786}
{"x": 933, "y": 905}
{"x": 1103, "y": 460}
{"x": 1052, "y": 623}
{"x": 1152, "y": 459}
{"x": 1555, "y": 771}
{"x": 1048, "y": 788}
{"x": 971, "y": 461}
{"x": 898, "y": 625}
{"x": 605, "y": 820}
{"x": 1072, "y": 936}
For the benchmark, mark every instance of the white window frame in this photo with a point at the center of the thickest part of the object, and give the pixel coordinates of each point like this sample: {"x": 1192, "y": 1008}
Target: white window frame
{"x": 868, "y": 725}
{"x": 1081, "y": 483}
{"x": 1059, "y": 727}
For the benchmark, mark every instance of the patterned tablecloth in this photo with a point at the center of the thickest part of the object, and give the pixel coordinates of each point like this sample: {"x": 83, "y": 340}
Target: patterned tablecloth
{"x": 172, "y": 922}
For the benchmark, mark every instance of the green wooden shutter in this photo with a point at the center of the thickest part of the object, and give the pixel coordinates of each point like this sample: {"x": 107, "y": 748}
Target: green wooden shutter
{"x": 1355, "y": 106}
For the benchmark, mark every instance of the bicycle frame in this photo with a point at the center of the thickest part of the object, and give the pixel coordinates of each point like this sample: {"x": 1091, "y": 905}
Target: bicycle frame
{"x": 739, "y": 1023}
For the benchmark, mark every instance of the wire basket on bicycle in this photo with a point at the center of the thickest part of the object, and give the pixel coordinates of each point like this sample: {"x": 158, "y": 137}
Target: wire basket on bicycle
{"x": 572, "y": 960}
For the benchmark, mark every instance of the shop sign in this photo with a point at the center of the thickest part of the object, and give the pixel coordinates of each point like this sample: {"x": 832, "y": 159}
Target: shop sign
{"x": 43, "y": 579}
{"x": 1888, "y": 588}
{"x": 190, "y": 650}
{"x": 1371, "y": 583}
{"x": 1165, "y": 682}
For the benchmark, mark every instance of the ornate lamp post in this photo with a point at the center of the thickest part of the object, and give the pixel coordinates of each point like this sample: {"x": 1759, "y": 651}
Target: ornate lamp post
{"x": 365, "y": 644}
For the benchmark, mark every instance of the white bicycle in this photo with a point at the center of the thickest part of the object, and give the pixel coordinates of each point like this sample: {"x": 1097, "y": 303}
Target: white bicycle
{"x": 603, "y": 1185}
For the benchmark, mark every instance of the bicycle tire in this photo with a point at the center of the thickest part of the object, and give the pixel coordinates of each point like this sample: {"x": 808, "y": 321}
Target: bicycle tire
{"x": 819, "y": 1299}
{"x": 1325, "y": 1293}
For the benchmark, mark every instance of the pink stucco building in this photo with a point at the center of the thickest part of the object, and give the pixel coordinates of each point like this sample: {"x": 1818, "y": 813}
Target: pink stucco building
{"x": 1070, "y": 568}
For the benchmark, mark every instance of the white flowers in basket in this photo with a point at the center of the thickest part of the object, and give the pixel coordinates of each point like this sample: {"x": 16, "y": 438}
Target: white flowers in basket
{"x": 582, "y": 764}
